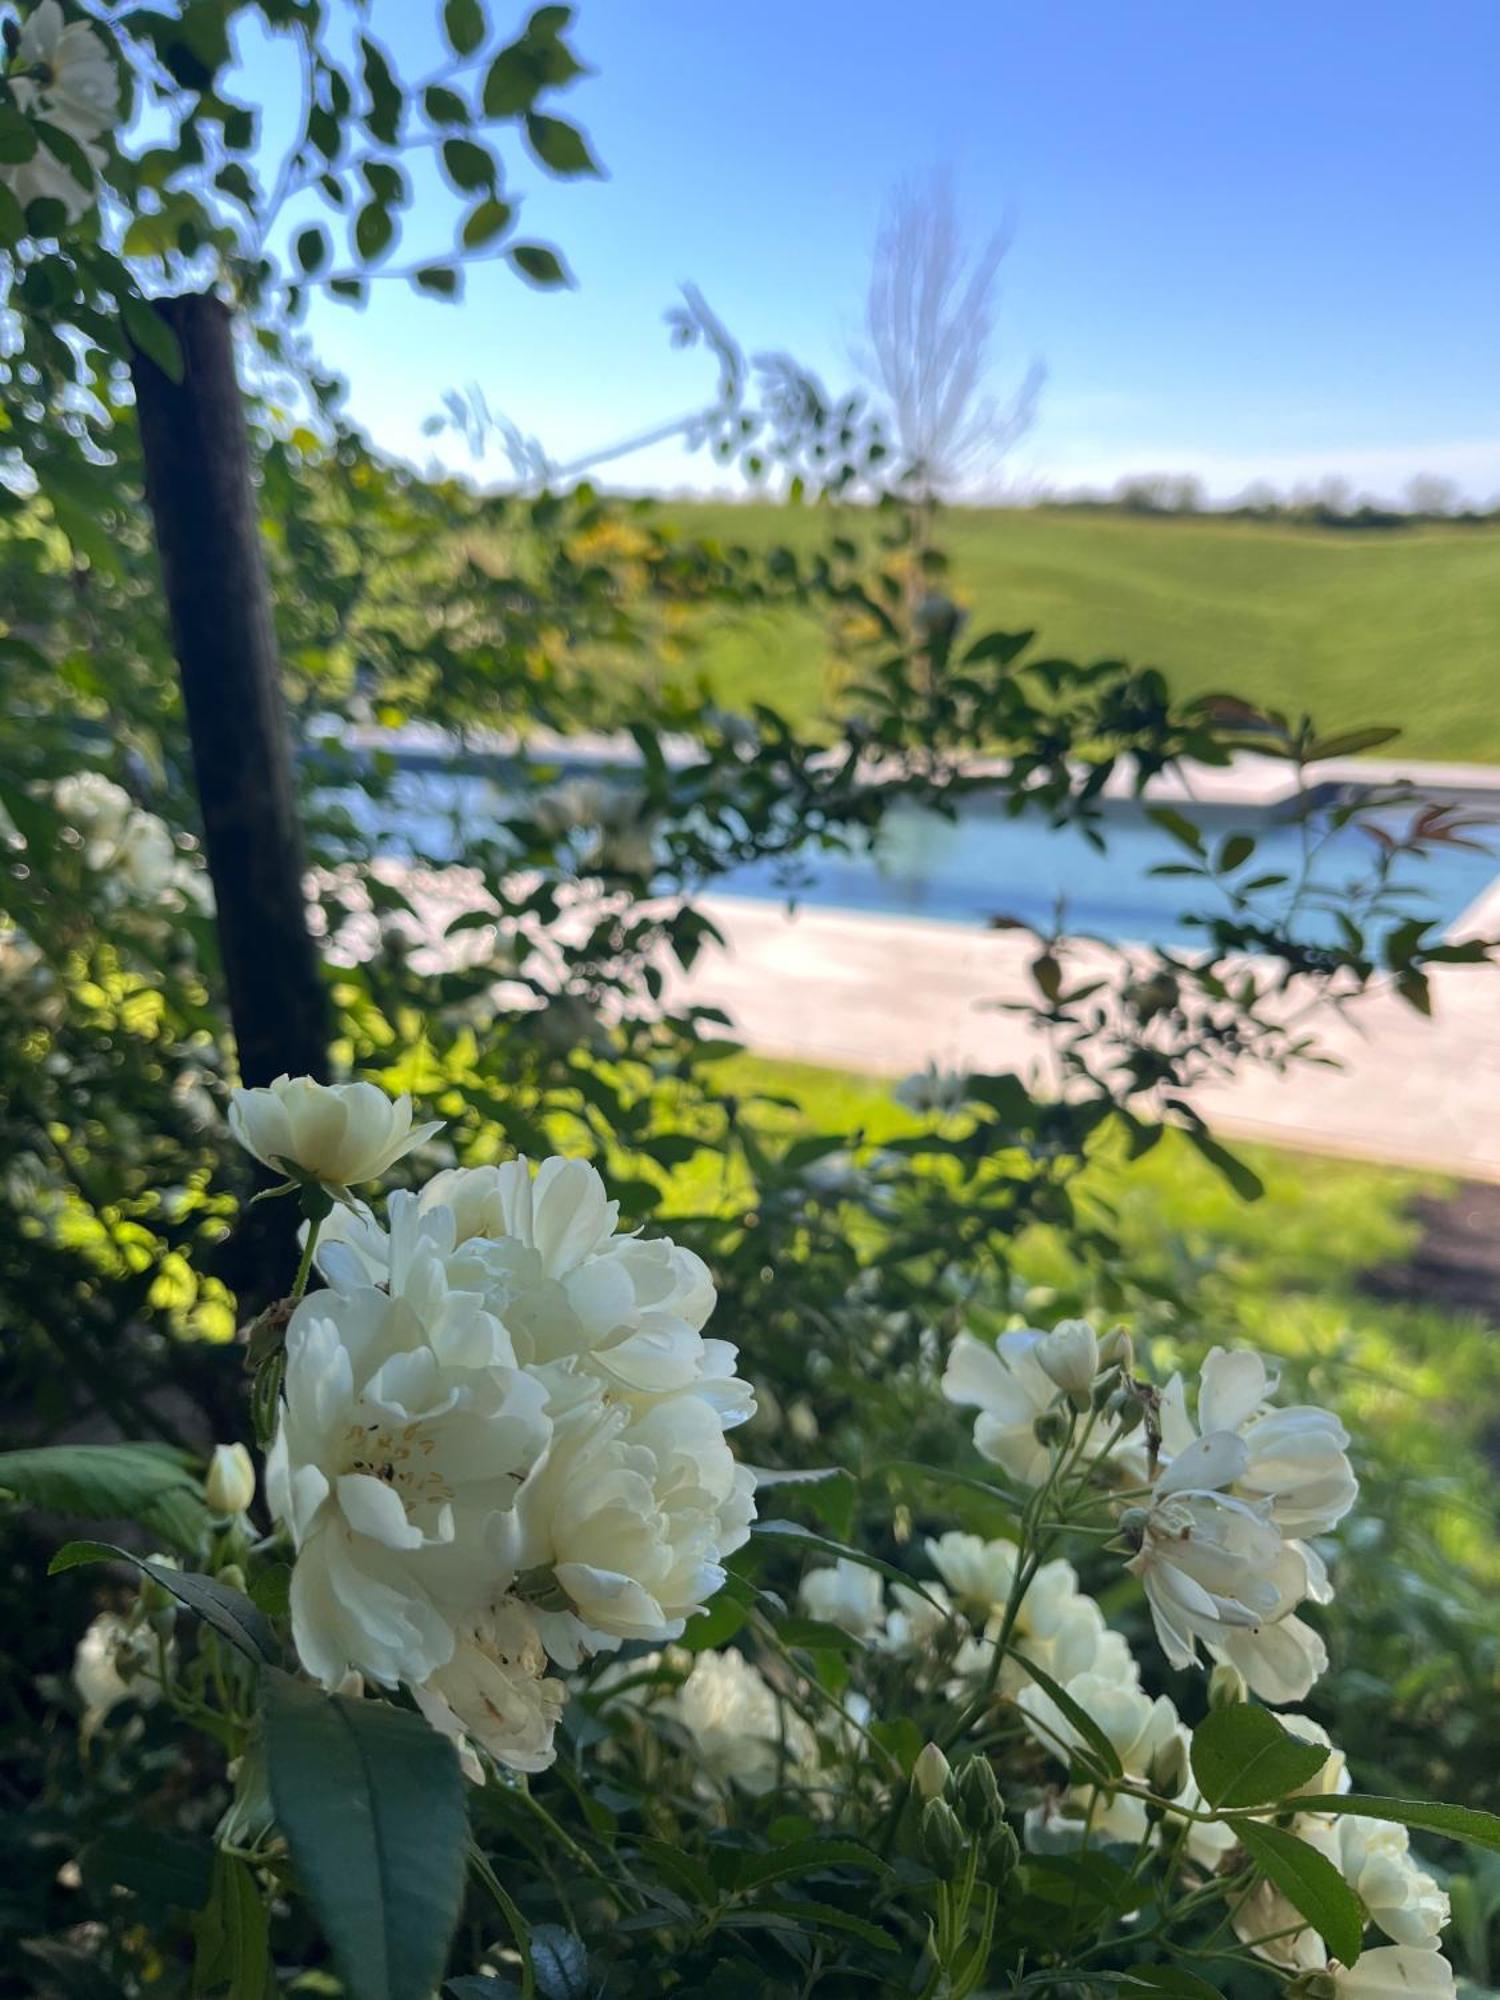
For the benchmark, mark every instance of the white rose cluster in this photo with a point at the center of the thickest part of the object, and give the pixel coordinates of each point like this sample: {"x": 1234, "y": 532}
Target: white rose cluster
{"x": 63, "y": 76}
{"x": 1401, "y": 1900}
{"x": 131, "y": 849}
{"x": 502, "y": 1437}
{"x": 1237, "y": 1487}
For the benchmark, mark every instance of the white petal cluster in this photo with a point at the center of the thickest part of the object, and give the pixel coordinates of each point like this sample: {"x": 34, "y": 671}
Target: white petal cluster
{"x": 1018, "y": 1380}
{"x": 62, "y": 75}
{"x": 1391, "y": 1972}
{"x": 1400, "y": 1898}
{"x": 1222, "y": 1557}
{"x": 847, "y": 1594}
{"x": 130, "y": 849}
{"x": 115, "y": 1660}
{"x": 337, "y": 1133}
{"x": 502, "y": 1438}
{"x": 742, "y": 1733}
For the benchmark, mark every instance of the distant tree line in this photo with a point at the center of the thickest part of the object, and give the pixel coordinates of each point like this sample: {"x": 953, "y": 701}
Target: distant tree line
{"x": 1331, "y": 503}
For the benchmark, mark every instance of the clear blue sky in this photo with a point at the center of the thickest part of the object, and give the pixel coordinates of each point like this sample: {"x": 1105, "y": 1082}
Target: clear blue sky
{"x": 1253, "y": 238}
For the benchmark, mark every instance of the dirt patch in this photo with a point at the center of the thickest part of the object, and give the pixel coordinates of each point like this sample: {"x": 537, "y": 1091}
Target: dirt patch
{"x": 1456, "y": 1262}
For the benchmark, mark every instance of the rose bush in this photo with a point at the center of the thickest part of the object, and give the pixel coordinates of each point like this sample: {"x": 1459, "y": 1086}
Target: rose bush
{"x": 498, "y": 1466}
{"x": 660, "y": 1527}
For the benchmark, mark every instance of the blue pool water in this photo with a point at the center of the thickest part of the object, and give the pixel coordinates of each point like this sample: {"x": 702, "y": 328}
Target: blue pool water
{"x": 985, "y": 866}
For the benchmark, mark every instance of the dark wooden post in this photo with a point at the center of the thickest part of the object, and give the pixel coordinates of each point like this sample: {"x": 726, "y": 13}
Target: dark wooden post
{"x": 198, "y": 481}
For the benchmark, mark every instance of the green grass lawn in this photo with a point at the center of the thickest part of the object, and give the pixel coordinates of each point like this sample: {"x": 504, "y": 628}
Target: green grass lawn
{"x": 1400, "y": 626}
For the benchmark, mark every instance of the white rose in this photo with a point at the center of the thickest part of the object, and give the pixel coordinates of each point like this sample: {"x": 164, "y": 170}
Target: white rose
{"x": 1403, "y": 1900}
{"x": 1295, "y": 1458}
{"x": 391, "y": 1467}
{"x": 846, "y": 1594}
{"x": 1217, "y": 1572}
{"x": 338, "y": 1133}
{"x": 741, "y": 1732}
{"x": 1010, "y": 1389}
{"x": 74, "y": 83}
{"x": 979, "y": 1573}
{"x": 114, "y": 1661}
{"x": 633, "y": 1515}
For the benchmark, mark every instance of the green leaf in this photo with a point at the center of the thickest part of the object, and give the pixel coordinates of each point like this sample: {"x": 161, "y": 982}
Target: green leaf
{"x": 539, "y": 265}
{"x": 152, "y": 335}
{"x": 1181, "y": 828}
{"x": 483, "y": 224}
{"x": 560, "y": 147}
{"x": 1243, "y": 1757}
{"x": 1234, "y": 851}
{"x": 18, "y": 137}
{"x": 1310, "y": 1883}
{"x": 1169, "y": 1979}
{"x": 468, "y": 165}
{"x": 374, "y": 228}
{"x": 444, "y": 106}
{"x": 12, "y": 217}
{"x": 232, "y": 1946}
{"x": 816, "y": 1635}
{"x": 312, "y": 249}
{"x": 805, "y": 1857}
{"x": 111, "y": 1482}
{"x": 1082, "y": 1721}
{"x": 229, "y": 1612}
{"x": 371, "y": 1802}
{"x": 158, "y": 1867}
{"x": 1350, "y": 743}
{"x": 824, "y": 1916}
{"x": 440, "y": 279}
{"x": 1466, "y": 1823}
{"x": 1243, "y": 1178}
{"x": 559, "y": 1964}
{"x": 463, "y": 24}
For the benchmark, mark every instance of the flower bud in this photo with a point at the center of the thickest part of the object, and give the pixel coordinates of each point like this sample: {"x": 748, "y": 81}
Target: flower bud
{"x": 231, "y": 1576}
{"x": 1002, "y": 1852}
{"x": 1117, "y": 1350}
{"x": 1313, "y": 1986}
{"x": 1126, "y": 1410}
{"x": 931, "y": 1772}
{"x": 156, "y": 1600}
{"x": 945, "y": 1845}
{"x": 1226, "y": 1686}
{"x": 1167, "y": 1773}
{"x": 1069, "y": 1354}
{"x": 1050, "y": 1428}
{"x": 978, "y": 1796}
{"x": 230, "y": 1483}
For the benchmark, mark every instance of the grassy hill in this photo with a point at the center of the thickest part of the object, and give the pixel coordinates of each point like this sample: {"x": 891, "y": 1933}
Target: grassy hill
{"x": 1397, "y": 626}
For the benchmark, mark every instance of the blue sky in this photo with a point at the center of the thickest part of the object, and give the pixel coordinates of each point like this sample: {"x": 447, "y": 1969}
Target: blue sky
{"x": 1251, "y": 240}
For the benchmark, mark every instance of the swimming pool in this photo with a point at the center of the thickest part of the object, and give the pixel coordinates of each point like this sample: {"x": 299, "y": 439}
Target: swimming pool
{"x": 985, "y": 866}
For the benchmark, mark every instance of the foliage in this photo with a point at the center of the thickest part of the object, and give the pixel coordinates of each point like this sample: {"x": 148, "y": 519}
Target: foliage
{"x": 503, "y": 954}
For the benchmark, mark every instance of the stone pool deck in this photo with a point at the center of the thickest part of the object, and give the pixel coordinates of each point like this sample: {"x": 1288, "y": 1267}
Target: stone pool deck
{"x": 885, "y": 995}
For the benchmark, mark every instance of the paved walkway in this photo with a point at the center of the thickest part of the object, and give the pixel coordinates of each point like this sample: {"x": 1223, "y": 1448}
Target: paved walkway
{"x": 885, "y": 995}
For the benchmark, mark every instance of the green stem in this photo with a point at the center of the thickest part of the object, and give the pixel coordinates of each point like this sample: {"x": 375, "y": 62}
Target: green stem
{"x": 304, "y": 1269}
